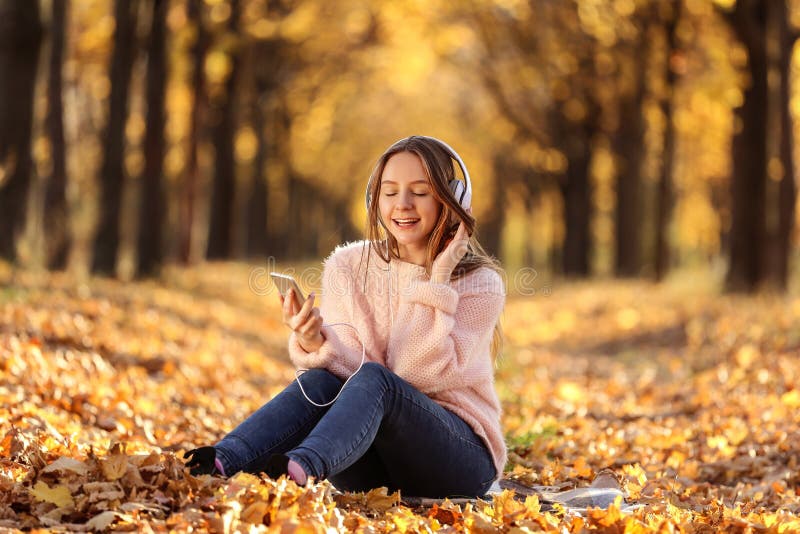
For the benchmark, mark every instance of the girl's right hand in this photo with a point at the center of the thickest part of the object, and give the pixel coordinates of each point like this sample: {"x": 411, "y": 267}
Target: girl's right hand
{"x": 305, "y": 321}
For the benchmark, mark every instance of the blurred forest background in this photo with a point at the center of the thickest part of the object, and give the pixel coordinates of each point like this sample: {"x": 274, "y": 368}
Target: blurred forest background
{"x": 629, "y": 138}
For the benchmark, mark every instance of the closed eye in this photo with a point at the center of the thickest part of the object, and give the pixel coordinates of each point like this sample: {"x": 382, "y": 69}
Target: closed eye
{"x": 394, "y": 193}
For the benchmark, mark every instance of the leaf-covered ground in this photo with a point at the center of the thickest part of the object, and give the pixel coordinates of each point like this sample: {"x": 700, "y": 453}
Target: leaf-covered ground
{"x": 690, "y": 399}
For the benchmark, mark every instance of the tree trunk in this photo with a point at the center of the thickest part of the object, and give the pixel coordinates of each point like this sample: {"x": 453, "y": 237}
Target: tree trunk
{"x": 577, "y": 211}
{"x": 664, "y": 205}
{"x": 279, "y": 226}
{"x": 630, "y": 149}
{"x": 186, "y": 238}
{"x": 748, "y": 183}
{"x": 56, "y": 213}
{"x": 491, "y": 228}
{"x": 221, "y": 225}
{"x": 788, "y": 185}
{"x": 298, "y": 200}
{"x": 787, "y": 188}
{"x": 257, "y": 244}
{"x": 576, "y": 193}
{"x": 20, "y": 43}
{"x": 152, "y": 201}
{"x": 112, "y": 172}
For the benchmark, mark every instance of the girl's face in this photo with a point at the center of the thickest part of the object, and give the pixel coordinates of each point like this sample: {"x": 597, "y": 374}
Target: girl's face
{"x": 407, "y": 205}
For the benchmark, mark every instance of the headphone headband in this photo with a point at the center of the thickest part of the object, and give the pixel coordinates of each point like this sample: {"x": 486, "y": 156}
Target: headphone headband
{"x": 466, "y": 193}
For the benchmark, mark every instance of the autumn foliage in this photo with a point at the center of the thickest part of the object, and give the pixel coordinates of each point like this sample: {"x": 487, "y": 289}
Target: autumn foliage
{"x": 689, "y": 400}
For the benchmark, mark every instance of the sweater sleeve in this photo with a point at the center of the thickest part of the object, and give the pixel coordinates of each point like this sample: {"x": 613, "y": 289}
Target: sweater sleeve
{"x": 341, "y": 351}
{"x": 441, "y": 338}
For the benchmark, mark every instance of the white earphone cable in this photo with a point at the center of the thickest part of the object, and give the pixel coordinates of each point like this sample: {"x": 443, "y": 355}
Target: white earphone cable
{"x": 363, "y": 359}
{"x": 299, "y": 372}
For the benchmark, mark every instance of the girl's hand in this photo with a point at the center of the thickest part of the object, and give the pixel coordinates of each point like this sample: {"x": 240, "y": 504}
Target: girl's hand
{"x": 305, "y": 321}
{"x": 446, "y": 261}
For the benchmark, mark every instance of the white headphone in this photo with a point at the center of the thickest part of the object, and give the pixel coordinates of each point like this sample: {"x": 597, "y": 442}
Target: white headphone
{"x": 461, "y": 190}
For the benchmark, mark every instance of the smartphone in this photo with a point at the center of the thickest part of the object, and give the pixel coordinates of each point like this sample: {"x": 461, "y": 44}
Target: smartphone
{"x": 284, "y": 282}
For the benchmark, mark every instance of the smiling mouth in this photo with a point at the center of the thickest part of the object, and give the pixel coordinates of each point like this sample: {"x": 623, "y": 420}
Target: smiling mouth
{"x": 405, "y": 223}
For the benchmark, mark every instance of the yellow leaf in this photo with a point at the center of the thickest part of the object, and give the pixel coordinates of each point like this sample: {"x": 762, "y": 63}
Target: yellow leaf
{"x": 254, "y": 513}
{"x": 791, "y": 398}
{"x": 532, "y": 504}
{"x": 58, "y": 495}
{"x": 379, "y": 499}
{"x": 478, "y": 524}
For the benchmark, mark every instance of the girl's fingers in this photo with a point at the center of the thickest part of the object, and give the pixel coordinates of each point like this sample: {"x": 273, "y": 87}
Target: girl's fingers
{"x": 304, "y": 319}
{"x": 310, "y": 328}
{"x": 297, "y": 306}
{"x": 294, "y": 305}
{"x": 461, "y": 232}
{"x": 286, "y": 306}
{"x": 302, "y": 316}
{"x": 464, "y": 232}
{"x": 312, "y": 325}
{"x": 308, "y": 305}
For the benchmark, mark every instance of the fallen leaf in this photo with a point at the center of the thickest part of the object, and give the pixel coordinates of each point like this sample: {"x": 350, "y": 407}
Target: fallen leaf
{"x": 254, "y": 513}
{"x": 381, "y": 500}
{"x": 58, "y": 494}
{"x": 114, "y": 467}
{"x": 445, "y": 516}
{"x": 66, "y": 463}
{"x": 102, "y": 520}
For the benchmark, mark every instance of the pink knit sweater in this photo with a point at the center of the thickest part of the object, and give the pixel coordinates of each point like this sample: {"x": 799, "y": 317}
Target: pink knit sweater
{"x": 435, "y": 336}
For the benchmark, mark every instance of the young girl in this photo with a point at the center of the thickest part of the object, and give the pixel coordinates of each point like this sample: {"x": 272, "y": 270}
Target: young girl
{"x": 411, "y": 330}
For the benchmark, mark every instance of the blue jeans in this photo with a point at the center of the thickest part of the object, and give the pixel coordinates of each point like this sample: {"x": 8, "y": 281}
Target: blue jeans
{"x": 380, "y": 432}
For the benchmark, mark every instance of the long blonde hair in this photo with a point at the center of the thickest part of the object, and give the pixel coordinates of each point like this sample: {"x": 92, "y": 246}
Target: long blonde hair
{"x": 439, "y": 169}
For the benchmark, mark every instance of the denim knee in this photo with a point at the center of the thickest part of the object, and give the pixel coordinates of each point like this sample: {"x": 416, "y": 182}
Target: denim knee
{"x": 370, "y": 372}
{"x": 318, "y": 377}
{"x": 318, "y": 384}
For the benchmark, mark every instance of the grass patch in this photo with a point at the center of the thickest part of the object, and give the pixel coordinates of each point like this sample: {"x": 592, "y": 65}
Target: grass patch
{"x": 523, "y": 441}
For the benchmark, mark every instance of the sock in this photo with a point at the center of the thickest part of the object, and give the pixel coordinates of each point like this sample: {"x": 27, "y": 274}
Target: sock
{"x": 296, "y": 473}
{"x": 218, "y": 465}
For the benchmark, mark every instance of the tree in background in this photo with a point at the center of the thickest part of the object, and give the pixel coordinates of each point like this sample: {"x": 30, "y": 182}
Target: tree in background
{"x": 761, "y": 150}
{"x": 20, "y": 42}
{"x": 748, "y": 182}
{"x": 670, "y": 15}
{"x": 781, "y": 45}
{"x": 152, "y": 199}
{"x": 112, "y": 174}
{"x": 544, "y": 84}
{"x": 633, "y": 54}
{"x": 56, "y": 232}
{"x": 190, "y": 179}
{"x": 222, "y": 120}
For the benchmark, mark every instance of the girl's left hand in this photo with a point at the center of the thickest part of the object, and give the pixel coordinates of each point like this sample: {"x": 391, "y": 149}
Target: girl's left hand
{"x": 305, "y": 320}
{"x": 446, "y": 261}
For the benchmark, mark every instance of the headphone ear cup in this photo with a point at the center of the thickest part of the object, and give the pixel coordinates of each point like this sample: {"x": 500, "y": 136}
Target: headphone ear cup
{"x": 457, "y": 188}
